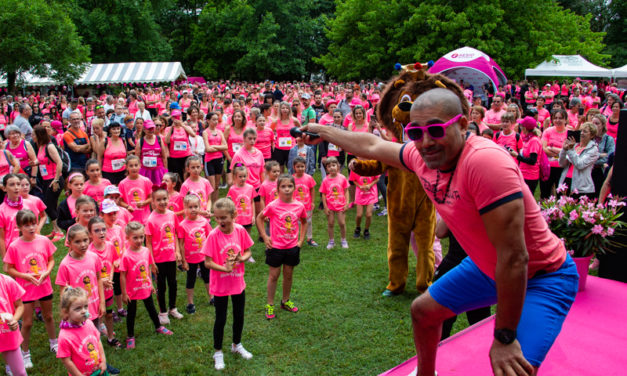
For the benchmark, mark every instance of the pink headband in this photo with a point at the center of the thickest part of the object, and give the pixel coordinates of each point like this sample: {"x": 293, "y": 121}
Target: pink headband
{"x": 72, "y": 176}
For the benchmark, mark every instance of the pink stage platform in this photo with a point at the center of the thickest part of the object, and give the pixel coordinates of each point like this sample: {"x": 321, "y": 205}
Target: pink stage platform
{"x": 593, "y": 340}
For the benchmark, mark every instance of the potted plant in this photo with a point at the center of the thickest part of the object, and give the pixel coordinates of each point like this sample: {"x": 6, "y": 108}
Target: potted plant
{"x": 585, "y": 226}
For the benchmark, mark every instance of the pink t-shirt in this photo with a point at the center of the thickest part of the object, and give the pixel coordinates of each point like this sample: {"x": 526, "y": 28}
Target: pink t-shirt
{"x": 84, "y": 274}
{"x": 194, "y": 233}
{"x": 474, "y": 189}
{"x": 202, "y": 188}
{"x": 243, "y": 198}
{"x": 96, "y": 191}
{"x": 512, "y": 141}
{"x": 543, "y": 114}
{"x": 32, "y": 258}
{"x": 302, "y": 190}
{"x": 7, "y": 220}
{"x": 214, "y": 138}
{"x": 531, "y": 172}
{"x": 335, "y": 191}
{"x": 284, "y": 222}
{"x": 573, "y": 119}
{"x": 36, "y": 203}
{"x": 82, "y": 345}
{"x": 107, "y": 256}
{"x": 268, "y": 191}
{"x": 219, "y": 247}
{"x": 253, "y": 160}
{"x": 612, "y": 129}
{"x": 179, "y": 143}
{"x": 10, "y": 291}
{"x": 265, "y": 139}
{"x": 136, "y": 264}
{"x": 371, "y": 196}
{"x": 162, "y": 229}
{"x": 555, "y": 139}
{"x": 134, "y": 191}
{"x": 124, "y": 217}
{"x": 493, "y": 117}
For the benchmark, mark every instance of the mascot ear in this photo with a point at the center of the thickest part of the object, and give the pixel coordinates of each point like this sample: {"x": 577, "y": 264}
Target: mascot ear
{"x": 398, "y": 84}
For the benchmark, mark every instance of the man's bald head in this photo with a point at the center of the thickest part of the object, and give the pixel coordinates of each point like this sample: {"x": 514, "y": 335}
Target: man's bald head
{"x": 444, "y": 100}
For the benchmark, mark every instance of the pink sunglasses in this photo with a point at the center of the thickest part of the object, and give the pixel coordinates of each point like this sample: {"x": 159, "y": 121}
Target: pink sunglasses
{"x": 436, "y": 131}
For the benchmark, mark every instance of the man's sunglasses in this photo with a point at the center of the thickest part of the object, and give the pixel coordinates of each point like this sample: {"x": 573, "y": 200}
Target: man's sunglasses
{"x": 436, "y": 131}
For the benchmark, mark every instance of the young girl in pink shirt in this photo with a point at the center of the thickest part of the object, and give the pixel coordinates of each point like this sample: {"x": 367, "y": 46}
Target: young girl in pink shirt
{"x": 197, "y": 184}
{"x": 243, "y": 195}
{"x": 226, "y": 249}
{"x": 80, "y": 348}
{"x": 85, "y": 209}
{"x": 9, "y": 208}
{"x": 283, "y": 246}
{"x": 30, "y": 260}
{"x": 252, "y": 158}
{"x": 115, "y": 234}
{"x": 334, "y": 189}
{"x": 136, "y": 266}
{"x": 123, "y": 216}
{"x": 94, "y": 187}
{"x": 67, "y": 208}
{"x": 175, "y": 199}
{"x": 268, "y": 190}
{"x": 366, "y": 195}
{"x": 163, "y": 244}
{"x": 38, "y": 206}
{"x": 10, "y": 338}
{"x": 135, "y": 191}
{"x": 305, "y": 185}
{"x": 192, "y": 233}
{"x": 109, "y": 260}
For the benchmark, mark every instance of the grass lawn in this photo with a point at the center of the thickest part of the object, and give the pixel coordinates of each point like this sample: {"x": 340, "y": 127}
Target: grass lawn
{"x": 344, "y": 326}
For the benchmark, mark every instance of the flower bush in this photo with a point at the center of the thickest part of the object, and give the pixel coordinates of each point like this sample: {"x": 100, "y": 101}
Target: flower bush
{"x": 584, "y": 225}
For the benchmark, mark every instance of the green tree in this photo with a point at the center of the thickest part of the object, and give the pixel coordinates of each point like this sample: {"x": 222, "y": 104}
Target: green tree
{"x": 120, "y": 30}
{"x": 39, "y": 37}
{"x": 517, "y": 35}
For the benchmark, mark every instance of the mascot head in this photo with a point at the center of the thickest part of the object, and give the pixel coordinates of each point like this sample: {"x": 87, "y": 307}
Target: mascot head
{"x": 402, "y": 90}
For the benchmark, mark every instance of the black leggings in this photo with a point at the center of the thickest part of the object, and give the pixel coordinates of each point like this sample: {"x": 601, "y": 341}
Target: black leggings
{"x": 221, "y": 303}
{"x": 546, "y": 187}
{"x": 51, "y": 199}
{"x": 532, "y": 184}
{"x": 177, "y": 165}
{"x": 117, "y": 287}
{"x": 191, "y": 274}
{"x": 383, "y": 189}
{"x": 114, "y": 177}
{"x": 167, "y": 270}
{"x": 132, "y": 312}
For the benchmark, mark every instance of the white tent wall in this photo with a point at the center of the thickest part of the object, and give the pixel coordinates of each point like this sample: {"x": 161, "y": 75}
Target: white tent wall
{"x": 568, "y": 66}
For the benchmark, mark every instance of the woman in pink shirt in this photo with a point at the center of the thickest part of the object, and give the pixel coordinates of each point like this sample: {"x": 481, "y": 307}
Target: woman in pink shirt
{"x": 152, "y": 153}
{"x": 477, "y": 113}
{"x": 284, "y": 140}
{"x": 552, "y": 140}
{"x": 613, "y": 120}
{"x": 23, "y": 151}
{"x": 234, "y": 136}
{"x": 265, "y": 138}
{"x": 10, "y": 338}
{"x": 226, "y": 250}
{"x": 215, "y": 146}
{"x": 177, "y": 138}
{"x": 112, "y": 155}
{"x": 528, "y": 158}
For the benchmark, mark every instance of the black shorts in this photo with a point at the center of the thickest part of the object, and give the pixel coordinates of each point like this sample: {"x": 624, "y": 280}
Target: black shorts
{"x": 281, "y": 156}
{"x": 257, "y": 198}
{"x": 277, "y": 257}
{"x": 214, "y": 167}
{"x": 45, "y": 298}
{"x": 248, "y": 227}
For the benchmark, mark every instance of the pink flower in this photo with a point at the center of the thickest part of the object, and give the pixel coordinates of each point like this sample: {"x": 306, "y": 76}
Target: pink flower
{"x": 588, "y": 216}
{"x": 610, "y": 231}
{"x": 575, "y": 191}
{"x": 573, "y": 215}
{"x": 562, "y": 188}
{"x": 597, "y": 229}
{"x": 571, "y": 252}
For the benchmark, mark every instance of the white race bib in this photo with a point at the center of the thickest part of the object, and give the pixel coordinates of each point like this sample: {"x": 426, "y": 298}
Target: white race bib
{"x": 150, "y": 162}
{"x": 117, "y": 164}
{"x": 43, "y": 170}
{"x": 236, "y": 147}
{"x": 180, "y": 145}
{"x": 285, "y": 142}
{"x": 333, "y": 147}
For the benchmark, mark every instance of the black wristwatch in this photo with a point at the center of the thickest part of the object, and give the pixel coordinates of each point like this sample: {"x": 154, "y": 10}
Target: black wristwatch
{"x": 505, "y": 336}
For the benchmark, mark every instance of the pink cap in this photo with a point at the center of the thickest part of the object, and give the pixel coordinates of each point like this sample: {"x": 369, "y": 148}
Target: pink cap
{"x": 528, "y": 122}
{"x": 57, "y": 125}
{"x": 355, "y": 102}
{"x": 176, "y": 114}
{"x": 149, "y": 124}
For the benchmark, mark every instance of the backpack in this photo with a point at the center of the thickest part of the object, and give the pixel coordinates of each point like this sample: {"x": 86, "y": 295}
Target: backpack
{"x": 65, "y": 159}
{"x": 545, "y": 167}
{"x": 498, "y": 135}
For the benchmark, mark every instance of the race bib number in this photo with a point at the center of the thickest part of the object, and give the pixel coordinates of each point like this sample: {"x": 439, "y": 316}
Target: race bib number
{"x": 180, "y": 145}
{"x": 236, "y": 147}
{"x": 333, "y": 147}
{"x": 43, "y": 170}
{"x": 150, "y": 162}
{"x": 285, "y": 142}
{"x": 117, "y": 164}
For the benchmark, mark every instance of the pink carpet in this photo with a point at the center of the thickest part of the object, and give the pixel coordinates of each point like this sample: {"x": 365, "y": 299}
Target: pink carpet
{"x": 593, "y": 340}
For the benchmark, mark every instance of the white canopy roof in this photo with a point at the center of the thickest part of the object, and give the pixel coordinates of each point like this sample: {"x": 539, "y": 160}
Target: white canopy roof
{"x": 620, "y": 72}
{"x": 113, "y": 74}
{"x": 568, "y": 66}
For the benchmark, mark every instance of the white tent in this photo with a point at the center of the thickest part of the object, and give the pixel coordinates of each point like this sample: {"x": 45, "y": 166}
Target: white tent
{"x": 568, "y": 66}
{"x": 620, "y": 72}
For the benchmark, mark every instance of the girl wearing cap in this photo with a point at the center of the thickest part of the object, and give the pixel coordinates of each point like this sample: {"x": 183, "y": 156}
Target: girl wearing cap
{"x": 529, "y": 156}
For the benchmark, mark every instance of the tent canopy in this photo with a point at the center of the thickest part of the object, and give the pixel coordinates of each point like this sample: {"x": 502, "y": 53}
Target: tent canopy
{"x": 620, "y": 72}
{"x": 568, "y": 66}
{"x": 472, "y": 66}
{"x": 115, "y": 73}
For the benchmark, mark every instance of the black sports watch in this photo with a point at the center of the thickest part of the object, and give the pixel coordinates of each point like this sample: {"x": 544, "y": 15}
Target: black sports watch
{"x": 505, "y": 336}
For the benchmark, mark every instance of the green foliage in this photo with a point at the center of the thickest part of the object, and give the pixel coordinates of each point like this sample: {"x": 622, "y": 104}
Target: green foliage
{"x": 119, "y": 30}
{"x": 39, "y": 36}
{"x": 366, "y": 39}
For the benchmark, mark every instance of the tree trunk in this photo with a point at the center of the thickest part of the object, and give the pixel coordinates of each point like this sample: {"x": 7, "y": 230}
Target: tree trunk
{"x": 11, "y": 77}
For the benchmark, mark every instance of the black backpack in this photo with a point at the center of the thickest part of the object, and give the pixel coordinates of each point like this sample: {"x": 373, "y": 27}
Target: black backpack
{"x": 65, "y": 158}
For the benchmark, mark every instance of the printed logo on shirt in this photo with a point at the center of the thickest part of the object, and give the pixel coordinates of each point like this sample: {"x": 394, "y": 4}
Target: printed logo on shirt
{"x": 288, "y": 224}
{"x": 103, "y": 272}
{"x": 167, "y": 230}
{"x": 301, "y": 193}
{"x": 87, "y": 284}
{"x": 33, "y": 267}
{"x": 335, "y": 193}
{"x": 198, "y": 238}
{"x": 88, "y": 344}
{"x": 143, "y": 275}
{"x": 93, "y": 353}
{"x": 116, "y": 245}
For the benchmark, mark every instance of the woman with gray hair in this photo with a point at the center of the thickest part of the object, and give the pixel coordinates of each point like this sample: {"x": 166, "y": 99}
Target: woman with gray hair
{"x": 578, "y": 160}
{"x": 22, "y": 151}
{"x": 606, "y": 147}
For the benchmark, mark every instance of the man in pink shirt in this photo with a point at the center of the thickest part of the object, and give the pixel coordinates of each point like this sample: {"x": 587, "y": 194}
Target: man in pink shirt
{"x": 493, "y": 115}
{"x": 514, "y": 260}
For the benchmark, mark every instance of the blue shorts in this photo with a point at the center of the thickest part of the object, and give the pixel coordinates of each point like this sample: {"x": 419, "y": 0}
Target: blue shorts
{"x": 548, "y": 300}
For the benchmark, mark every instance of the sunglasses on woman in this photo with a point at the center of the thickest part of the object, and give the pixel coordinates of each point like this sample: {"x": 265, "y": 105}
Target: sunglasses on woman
{"x": 436, "y": 131}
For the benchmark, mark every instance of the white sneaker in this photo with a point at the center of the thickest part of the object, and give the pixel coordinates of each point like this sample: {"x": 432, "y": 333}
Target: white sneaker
{"x": 163, "y": 318}
{"x": 28, "y": 362}
{"x": 54, "y": 348}
{"x": 331, "y": 244}
{"x": 239, "y": 349}
{"x": 344, "y": 244}
{"x": 218, "y": 358}
{"x": 176, "y": 314}
{"x": 251, "y": 260}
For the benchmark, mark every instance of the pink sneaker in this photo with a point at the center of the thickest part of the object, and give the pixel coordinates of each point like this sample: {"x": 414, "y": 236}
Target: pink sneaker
{"x": 164, "y": 330}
